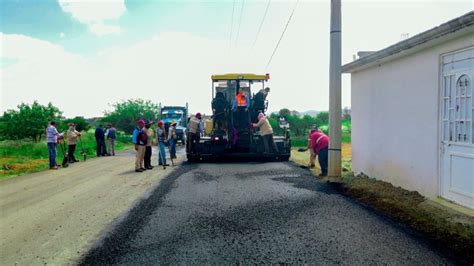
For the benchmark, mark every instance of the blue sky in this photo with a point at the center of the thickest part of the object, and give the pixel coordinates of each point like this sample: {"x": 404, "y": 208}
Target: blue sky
{"x": 167, "y": 50}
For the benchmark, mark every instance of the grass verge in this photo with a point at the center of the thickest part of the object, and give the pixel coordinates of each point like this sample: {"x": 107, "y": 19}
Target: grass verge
{"x": 445, "y": 227}
{"x": 22, "y": 157}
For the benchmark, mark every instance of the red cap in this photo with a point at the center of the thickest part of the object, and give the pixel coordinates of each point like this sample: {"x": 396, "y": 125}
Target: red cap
{"x": 160, "y": 123}
{"x": 198, "y": 115}
{"x": 141, "y": 122}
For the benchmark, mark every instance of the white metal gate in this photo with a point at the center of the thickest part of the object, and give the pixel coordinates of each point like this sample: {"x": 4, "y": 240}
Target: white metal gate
{"x": 457, "y": 143}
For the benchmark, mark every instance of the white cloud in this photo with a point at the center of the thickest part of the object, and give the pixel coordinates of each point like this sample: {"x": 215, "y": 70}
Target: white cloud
{"x": 94, "y": 13}
{"x": 101, "y": 29}
{"x": 62, "y": 35}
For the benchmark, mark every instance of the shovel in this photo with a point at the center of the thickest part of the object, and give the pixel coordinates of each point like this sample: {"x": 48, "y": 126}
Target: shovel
{"x": 83, "y": 152}
{"x": 65, "y": 162}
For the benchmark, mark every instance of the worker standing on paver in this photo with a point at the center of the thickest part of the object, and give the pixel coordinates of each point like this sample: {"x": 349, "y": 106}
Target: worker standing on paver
{"x": 52, "y": 136}
{"x": 320, "y": 144}
{"x": 72, "y": 135}
{"x": 149, "y": 133}
{"x": 140, "y": 140}
{"x": 161, "y": 139}
{"x": 266, "y": 131}
{"x": 241, "y": 105}
{"x": 194, "y": 133}
{"x": 111, "y": 135}
{"x": 172, "y": 138}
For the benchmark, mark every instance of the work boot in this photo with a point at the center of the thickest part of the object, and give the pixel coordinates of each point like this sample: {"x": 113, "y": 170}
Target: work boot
{"x": 323, "y": 174}
{"x": 143, "y": 169}
{"x": 149, "y": 167}
{"x": 138, "y": 170}
{"x": 53, "y": 168}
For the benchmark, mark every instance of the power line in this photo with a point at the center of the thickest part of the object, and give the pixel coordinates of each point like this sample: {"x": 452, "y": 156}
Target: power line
{"x": 240, "y": 21}
{"x": 261, "y": 23}
{"x": 231, "y": 27}
{"x": 283, "y": 33}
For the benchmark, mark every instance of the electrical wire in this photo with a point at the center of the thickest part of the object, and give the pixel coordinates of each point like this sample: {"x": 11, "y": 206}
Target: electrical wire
{"x": 261, "y": 23}
{"x": 282, "y": 34}
{"x": 231, "y": 27}
{"x": 240, "y": 21}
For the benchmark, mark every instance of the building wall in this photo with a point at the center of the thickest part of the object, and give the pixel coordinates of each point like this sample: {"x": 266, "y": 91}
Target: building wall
{"x": 395, "y": 119}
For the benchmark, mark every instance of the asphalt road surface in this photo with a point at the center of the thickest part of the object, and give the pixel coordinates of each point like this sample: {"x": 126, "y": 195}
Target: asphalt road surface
{"x": 255, "y": 213}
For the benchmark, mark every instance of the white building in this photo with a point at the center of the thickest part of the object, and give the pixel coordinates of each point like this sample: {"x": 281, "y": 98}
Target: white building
{"x": 413, "y": 109}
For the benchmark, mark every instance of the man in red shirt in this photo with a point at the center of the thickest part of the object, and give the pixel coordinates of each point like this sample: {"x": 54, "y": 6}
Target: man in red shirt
{"x": 319, "y": 145}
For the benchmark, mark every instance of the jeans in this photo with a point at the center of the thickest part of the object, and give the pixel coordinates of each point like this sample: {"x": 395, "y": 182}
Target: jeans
{"x": 172, "y": 143}
{"x": 147, "y": 157}
{"x": 323, "y": 161}
{"x": 162, "y": 153}
{"x": 52, "y": 154}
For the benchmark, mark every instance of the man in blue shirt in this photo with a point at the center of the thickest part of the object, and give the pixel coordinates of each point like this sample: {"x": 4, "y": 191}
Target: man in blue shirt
{"x": 140, "y": 140}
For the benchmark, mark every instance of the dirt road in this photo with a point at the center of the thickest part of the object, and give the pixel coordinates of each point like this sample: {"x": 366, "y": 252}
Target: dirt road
{"x": 54, "y": 216}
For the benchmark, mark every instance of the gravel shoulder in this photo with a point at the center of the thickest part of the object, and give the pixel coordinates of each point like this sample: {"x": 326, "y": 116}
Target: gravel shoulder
{"x": 53, "y": 217}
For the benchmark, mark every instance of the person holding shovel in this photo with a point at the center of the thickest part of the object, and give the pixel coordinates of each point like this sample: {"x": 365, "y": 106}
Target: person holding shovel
{"x": 140, "y": 140}
{"x": 161, "y": 139}
{"x": 172, "y": 138}
{"x": 312, "y": 156}
{"x": 72, "y": 135}
{"x": 319, "y": 144}
{"x": 149, "y": 133}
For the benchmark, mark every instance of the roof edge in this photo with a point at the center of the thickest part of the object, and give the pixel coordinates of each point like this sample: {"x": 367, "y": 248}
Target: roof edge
{"x": 395, "y": 50}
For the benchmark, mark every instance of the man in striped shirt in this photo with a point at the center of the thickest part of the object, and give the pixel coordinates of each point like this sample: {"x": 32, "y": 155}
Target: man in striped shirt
{"x": 52, "y": 136}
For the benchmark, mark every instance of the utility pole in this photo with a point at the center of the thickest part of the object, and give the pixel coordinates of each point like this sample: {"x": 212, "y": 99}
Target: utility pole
{"x": 334, "y": 173}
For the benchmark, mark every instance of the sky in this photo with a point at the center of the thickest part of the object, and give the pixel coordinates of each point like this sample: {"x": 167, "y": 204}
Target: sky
{"x": 84, "y": 56}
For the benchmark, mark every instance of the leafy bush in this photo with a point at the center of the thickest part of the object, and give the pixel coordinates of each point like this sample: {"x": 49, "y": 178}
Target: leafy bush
{"x": 29, "y": 121}
{"x": 126, "y": 114}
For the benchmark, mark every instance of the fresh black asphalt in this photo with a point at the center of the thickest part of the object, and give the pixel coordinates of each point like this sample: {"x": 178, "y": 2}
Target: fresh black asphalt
{"x": 249, "y": 213}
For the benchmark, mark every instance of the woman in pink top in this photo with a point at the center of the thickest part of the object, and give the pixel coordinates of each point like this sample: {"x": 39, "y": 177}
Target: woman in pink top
{"x": 319, "y": 145}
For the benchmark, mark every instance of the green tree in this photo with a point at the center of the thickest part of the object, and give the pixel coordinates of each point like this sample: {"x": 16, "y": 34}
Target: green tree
{"x": 80, "y": 122}
{"x": 126, "y": 114}
{"x": 29, "y": 121}
{"x": 285, "y": 112}
{"x": 322, "y": 118}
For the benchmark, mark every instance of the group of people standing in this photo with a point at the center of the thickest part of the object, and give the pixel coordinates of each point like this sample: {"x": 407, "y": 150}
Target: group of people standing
{"x": 101, "y": 134}
{"x": 54, "y": 137}
{"x": 142, "y": 138}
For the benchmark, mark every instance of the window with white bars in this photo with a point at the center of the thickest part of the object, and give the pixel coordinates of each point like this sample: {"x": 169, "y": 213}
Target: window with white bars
{"x": 458, "y": 109}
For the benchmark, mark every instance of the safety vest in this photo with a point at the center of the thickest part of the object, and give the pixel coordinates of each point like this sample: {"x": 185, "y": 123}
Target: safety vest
{"x": 241, "y": 100}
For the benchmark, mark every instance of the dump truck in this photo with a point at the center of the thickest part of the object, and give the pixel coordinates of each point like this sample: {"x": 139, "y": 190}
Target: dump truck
{"x": 179, "y": 114}
{"x": 232, "y": 135}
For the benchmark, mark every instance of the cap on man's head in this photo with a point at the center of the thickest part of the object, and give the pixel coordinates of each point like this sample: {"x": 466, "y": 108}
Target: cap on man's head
{"x": 141, "y": 122}
{"x": 71, "y": 124}
{"x": 173, "y": 123}
{"x": 160, "y": 123}
{"x": 110, "y": 124}
{"x": 267, "y": 89}
{"x": 198, "y": 115}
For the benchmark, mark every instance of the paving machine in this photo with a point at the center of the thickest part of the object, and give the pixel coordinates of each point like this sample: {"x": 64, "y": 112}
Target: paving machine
{"x": 232, "y": 134}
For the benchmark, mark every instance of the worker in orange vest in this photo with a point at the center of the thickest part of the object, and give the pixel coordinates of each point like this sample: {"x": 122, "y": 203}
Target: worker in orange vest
{"x": 241, "y": 105}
